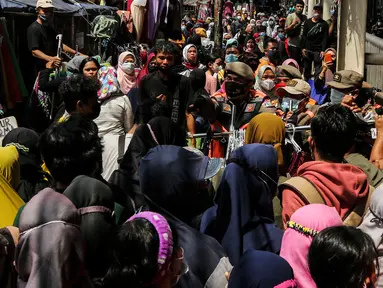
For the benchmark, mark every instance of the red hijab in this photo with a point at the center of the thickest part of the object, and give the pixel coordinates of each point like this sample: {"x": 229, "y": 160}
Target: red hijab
{"x": 145, "y": 70}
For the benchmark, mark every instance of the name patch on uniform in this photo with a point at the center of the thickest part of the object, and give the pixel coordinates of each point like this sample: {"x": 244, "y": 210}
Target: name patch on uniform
{"x": 250, "y": 107}
{"x": 226, "y": 108}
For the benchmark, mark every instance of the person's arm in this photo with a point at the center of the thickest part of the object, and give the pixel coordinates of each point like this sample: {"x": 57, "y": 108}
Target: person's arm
{"x": 127, "y": 114}
{"x": 325, "y": 37}
{"x": 47, "y": 85}
{"x": 41, "y": 55}
{"x": 332, "y": 25}
{"x": 68, "y": 49}
{"x": 304, "y": 38}
{"x": 290, "y": 25}
{"x": 291, "y": 202}
{"x": 376, "y": 156}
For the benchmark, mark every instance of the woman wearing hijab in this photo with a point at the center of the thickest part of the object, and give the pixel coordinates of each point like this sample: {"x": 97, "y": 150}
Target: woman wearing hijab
{"x": 304, "y": 224}
{"x": 160, "y": 130}
{"x": 291, "y": 62}
{"x": 10, "y": 165}
{"x": 126, "y": 72}
{"x": 9, "y": 237}
{"x": 262, "y": 270}
{"x": 94, "y": 200}
{"x": 115, "y": 119}
{"x": 190, "y": 59}
{"x": 10, "y": 201}
{"x": 267, "y": 128}
{"x": 32, "y": 177}
{"x": 150, "y": 66}
{"x": 241, "y": 219}
{"x": 50, "y": 250}
{"x": 265, "y": 83}
{"x": 372, "y": 225}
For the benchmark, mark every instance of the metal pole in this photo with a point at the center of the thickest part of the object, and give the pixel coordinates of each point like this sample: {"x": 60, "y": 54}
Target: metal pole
{"x": 218, "y": 32}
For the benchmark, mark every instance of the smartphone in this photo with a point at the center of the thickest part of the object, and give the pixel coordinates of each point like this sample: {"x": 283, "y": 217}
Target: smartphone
{"x": 328, "y": 58}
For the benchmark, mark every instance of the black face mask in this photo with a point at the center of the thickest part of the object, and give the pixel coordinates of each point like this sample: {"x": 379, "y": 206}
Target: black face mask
{"x": 46, "y": 20}
{"x": 235, "y": 89}
{"x": 152, "y": 68}
{"x": 164, "y": 71}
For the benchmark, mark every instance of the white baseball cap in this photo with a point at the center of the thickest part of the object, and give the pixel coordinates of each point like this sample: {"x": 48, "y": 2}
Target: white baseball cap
{"x": 44, "y": 4}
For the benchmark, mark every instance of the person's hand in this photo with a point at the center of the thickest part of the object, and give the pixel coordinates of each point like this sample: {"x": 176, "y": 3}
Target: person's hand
{"x": 296, "y": 21}
{"x": 50, "y": 65}
{"x": 161, "y": 97}
{"x": 379, "y": 124}
{"x": 56, "y": 61}
{"x": 349, "y": 102}
{"x": 304, "y": 52}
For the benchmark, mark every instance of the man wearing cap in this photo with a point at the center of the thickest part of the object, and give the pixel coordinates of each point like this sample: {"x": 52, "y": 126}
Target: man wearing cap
{"x": 285, "y": 73}
{"x": 239, "y": 81}
{"x": 345, "y": 89}
{"x": 314, "y": 42}
{"x": 296, "y": 102}
{"x": 42, "y": 41}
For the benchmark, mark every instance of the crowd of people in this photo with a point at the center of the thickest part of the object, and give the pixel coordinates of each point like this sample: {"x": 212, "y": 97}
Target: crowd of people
{"x": 118, "y": 191}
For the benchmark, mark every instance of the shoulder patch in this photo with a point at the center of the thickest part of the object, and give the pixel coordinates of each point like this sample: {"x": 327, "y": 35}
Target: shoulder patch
{"x": 250, "y": 107}
{"x": 226, "y": 108}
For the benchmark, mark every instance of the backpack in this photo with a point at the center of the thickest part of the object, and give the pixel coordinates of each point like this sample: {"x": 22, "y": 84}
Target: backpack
{"x": 310, "y": 195}
{"x": 104, "y": 27}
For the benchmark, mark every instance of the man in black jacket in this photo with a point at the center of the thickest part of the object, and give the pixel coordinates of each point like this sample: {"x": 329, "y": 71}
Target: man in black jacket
{"x": 314, "y": 42}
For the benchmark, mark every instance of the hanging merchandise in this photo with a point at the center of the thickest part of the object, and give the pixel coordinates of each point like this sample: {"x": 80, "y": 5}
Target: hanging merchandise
{"x": 14, "y": 82}
{"x": 138, "y": 15}
{"x": 140, "y": 3}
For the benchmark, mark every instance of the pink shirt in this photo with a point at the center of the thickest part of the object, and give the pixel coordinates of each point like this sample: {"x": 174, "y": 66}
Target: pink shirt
{"x": 211, "y": 83}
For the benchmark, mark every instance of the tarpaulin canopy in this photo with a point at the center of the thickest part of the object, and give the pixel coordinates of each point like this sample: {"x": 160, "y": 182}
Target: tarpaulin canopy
{"x": 60, "y": 7}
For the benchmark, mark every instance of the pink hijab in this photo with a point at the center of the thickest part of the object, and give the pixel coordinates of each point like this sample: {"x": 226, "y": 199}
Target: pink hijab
{"x": 291, "y": 61}
{"x": 295, "y": 245}
{"x": 126, "y": 81}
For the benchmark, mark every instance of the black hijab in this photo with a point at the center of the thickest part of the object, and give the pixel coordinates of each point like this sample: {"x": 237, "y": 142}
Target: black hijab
{"x": 31, "y": 175}
{"x": 159, "y": 131}
{"x": 94, "y": 200}
{"x": 50, "y": 250}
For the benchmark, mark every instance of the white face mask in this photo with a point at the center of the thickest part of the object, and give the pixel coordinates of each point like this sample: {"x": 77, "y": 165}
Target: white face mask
{"x": 268, "y": 84}
{"x": 128, "y": 67}
{"x": 216, "y": 68}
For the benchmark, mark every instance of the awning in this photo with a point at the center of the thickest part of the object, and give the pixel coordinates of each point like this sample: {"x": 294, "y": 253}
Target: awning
{"x": 60, "y": 7}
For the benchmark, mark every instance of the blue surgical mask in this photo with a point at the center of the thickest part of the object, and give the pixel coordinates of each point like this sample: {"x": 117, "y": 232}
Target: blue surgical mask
{"x": 231, "y": 58}
{"x": 336, "y": 96}
{"x": 262, "y": 34}
{"x": 281, "y": 36}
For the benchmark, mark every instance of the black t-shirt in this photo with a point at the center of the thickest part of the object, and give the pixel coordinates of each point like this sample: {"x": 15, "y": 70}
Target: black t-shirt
{"x": 42, "y": 38}
{"x": 177, "y": 90}
{"x": 315, "y": 35}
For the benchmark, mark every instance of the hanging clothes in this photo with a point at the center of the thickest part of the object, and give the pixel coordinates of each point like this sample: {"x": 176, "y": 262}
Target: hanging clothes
{"x": 138, "y": 15}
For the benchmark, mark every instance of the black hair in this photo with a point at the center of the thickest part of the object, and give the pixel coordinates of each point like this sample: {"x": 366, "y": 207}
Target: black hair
{"x": 341, "y": 257}
{"x": 234, "y": 45}
{"x": 153, "y": 108}
{"x": 166, "y": 47}
{"x": 78, "y": 88}
{"x": 299, "y": 2}
{"x": 135, "y": 255}
{"x": 210, "y": 58}
{"x": 333, "y": 130}
{"x": 72, "y": 148}
{"x": 86, "y": 60}
{"x": 269, "y": 40}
